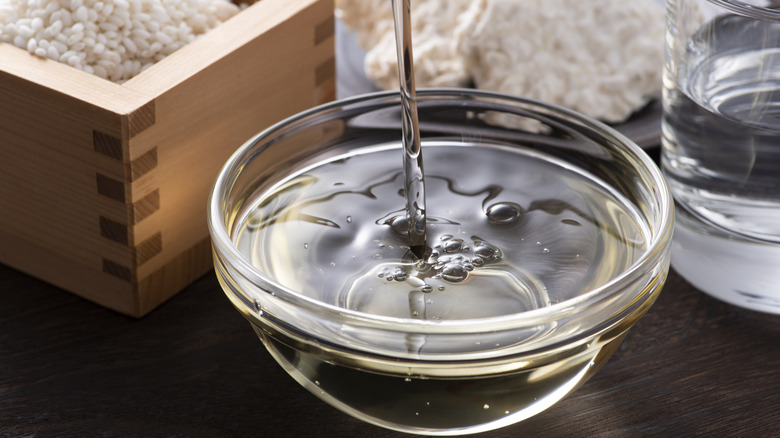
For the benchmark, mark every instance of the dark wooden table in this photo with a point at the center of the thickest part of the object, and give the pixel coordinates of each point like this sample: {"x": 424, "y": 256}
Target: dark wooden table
{"x": 692, "y": 366}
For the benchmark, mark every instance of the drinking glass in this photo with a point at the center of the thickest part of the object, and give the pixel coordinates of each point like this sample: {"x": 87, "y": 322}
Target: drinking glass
{"x": 721, "y": 146}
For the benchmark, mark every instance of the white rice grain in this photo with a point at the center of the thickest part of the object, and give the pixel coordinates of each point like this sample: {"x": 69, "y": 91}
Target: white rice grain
{"x": 113, "y": 39}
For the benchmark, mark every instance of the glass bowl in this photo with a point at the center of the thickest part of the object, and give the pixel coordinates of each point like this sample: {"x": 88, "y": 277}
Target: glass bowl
{"x": 549, "y": 237}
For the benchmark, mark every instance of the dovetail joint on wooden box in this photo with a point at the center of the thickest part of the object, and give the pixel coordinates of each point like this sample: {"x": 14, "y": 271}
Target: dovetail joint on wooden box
{"x": 116, "y": 190}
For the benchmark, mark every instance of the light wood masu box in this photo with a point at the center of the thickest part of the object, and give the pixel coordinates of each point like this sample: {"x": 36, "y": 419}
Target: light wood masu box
{"x": 104, "y": 186}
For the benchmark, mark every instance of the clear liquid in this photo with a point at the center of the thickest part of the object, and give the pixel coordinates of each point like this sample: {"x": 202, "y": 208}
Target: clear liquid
{"x": 514, "y": 231}
{"x": 721, "y": 158}
{"x": 472, "y": 400}
{"x": 414, "y": 176}
{"x": 722, "y": 129}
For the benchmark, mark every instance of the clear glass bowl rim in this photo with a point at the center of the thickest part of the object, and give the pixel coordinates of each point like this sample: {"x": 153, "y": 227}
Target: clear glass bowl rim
{"x": 658, "y": 247}
{"x": 748, "y": 9}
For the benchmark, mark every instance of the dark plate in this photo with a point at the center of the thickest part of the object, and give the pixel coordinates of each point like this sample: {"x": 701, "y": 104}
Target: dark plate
{"x": 643, "y": 127}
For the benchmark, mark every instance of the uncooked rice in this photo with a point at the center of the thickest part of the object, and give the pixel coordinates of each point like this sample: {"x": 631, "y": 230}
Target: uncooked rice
{"x": 113, "y": 39}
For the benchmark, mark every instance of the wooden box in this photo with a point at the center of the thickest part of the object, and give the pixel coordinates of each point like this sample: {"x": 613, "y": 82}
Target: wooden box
{"x": 103, "y": 187}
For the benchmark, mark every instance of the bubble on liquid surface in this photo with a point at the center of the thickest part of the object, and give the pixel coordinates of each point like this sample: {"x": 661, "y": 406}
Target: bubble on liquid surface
{"x": 504, "y": 212}
{"x": 454, "y": 272}
{"x": 399, "y": 224}
{"x": 400, "y": 274}
{"x": 486, "y": 251}
{"x": 452, "y": 245}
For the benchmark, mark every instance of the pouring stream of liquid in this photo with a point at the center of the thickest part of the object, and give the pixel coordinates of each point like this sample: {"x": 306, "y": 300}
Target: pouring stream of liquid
{"x": 414, "y": 182}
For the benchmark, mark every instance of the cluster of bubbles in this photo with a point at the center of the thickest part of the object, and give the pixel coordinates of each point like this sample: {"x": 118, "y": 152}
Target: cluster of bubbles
{"x": 451, "y": 260}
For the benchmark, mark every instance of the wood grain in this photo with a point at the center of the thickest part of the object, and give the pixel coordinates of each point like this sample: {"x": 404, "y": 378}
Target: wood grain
{"x": 104, "y": 180}
{"x": 692, "y": 366}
